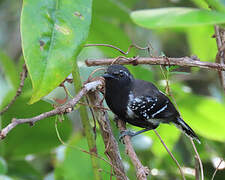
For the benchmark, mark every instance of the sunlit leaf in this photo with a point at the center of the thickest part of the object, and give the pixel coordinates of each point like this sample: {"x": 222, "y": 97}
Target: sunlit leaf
{"x": 197, "y": 36}
{"x": 52, "y": 34}
{"x": 176, "y": 17}
{"x": 205, "y": 116}
{"x": 169, "y": 134}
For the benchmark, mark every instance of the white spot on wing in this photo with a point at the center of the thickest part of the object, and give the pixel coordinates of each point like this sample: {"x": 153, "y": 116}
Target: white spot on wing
{"x": 159, "y": 111}
{"x": 129, "y": 112}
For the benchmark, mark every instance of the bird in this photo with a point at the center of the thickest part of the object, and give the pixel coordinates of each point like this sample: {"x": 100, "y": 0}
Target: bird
{"x": 140, "y": 103}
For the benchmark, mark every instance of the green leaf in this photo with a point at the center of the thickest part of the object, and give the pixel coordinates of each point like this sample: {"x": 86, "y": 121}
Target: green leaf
{"x": 176, "y": 17}
{"x": 3, "y": 166}
{"x": 142, "y": 72}
{"x": 169, "y": 134}
{"x": 52, "y": 34}
{"x": 24, "y": 139}
{"x": 24, "y": 170}
{"x": 204, "y": 115}
{"x": 197, "y": 37}
{"x": 111, "y": 9}
{"x": 9, "y": 69}
{"x": 9, "y": 79}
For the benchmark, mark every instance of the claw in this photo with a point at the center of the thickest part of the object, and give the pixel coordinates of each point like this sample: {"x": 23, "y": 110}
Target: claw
{"x": 126, "y": 133}
{"x": 116, "y": 119}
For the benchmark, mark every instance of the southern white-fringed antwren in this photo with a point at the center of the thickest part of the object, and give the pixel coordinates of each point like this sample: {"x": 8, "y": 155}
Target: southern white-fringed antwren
{"x": 140, "y": 103}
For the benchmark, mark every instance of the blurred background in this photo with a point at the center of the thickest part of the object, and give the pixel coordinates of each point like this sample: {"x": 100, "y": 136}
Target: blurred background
{"x": 36, "y": 153}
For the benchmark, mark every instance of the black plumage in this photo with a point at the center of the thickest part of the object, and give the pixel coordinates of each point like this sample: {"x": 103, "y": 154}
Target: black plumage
{"x": 140, "y": 103}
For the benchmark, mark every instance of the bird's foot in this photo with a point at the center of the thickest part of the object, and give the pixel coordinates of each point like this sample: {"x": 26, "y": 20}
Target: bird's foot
{"x": 116, "y": 119}
{"x": 126, "y": 133}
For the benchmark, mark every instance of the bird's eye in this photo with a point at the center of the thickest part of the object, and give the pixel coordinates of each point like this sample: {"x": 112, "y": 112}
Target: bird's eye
{"x": 121, "y": 73}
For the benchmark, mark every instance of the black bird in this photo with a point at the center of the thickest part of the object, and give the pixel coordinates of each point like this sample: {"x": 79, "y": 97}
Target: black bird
{"x": 140, "y": 103}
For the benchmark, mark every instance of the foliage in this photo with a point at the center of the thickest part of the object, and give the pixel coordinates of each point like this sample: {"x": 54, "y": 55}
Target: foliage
{"x": 53, "y": 33}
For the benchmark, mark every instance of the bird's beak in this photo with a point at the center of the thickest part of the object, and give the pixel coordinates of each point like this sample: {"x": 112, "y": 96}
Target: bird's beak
{"x": 108, "y": 76}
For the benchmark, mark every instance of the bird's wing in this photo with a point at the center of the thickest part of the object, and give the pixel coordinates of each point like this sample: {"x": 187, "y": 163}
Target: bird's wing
{"x": 144, "y": 88}
{"x": 150, "y": 103}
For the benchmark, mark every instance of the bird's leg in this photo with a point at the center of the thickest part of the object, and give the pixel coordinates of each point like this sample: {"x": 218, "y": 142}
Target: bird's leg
{"x": 131, "y": 133}
{"x": 116, "y": 119}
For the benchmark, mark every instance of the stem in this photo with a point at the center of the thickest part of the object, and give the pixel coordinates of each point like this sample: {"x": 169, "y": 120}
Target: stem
{"x": 174, "y": 159}
{"x": 85, "y": 121}
{"x": 200, "y": 162}
{"x": 142, "y": 172}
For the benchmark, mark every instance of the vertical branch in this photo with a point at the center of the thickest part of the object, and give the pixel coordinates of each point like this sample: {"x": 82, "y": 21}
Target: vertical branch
{"x": 197, "y": 175}
{"x": 141, "y": 171}
{"x": 221, "y": 160}
{"x": 111, "y": 146}
{"x": 23, "y": 76}
{"x": 86, "y": 124}
{"x": 220, "y": 57}
{"x": 199, "y": 160}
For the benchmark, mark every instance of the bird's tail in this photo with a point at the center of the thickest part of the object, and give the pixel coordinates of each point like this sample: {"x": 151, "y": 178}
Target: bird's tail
{"x": 186, "y": 129}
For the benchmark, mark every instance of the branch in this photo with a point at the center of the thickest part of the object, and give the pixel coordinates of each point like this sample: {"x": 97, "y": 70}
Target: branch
{"x": 197, "y": 175}
{"x": 220, "y": 57}
{"x": 111, "y": 146}
{"x": 199, "y": 159}
{"x": 184, "y": 61}
{"x": 23, "y": 76}
{"x": 141, "y": 171}
{"x": 221, "y": 160}
{"x": 68, "y": 107}
{"x": 90, "y": 136}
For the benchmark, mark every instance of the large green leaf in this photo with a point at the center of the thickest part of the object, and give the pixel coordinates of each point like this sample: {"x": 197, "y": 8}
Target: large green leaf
{"x": 24, "y": 139}
{"x": 169, "y": 134}
{"x": 197, "y": 36}
{"x": 52, "y": 34}
{"x": 205, "y": 115}
{"x": 176, "y": 17}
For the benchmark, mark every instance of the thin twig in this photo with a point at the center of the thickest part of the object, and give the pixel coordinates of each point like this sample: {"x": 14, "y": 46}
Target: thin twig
{"x": 221, "y": 160}
{"x": 197, "y": 175}
{"x": 220, "y": 57}
{"x": 121, "y": 51}
{"x": 141, "y": 171}
{"x": 184, "y": 61}
{"x": 23, "y": 76}
{"x": 200, "y": 162}
{"x": 66, "y": 108}
{"x": 174, "y": 159}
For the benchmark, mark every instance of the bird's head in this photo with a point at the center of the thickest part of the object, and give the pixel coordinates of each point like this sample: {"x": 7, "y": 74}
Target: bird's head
{"x": 118, "y": 74}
